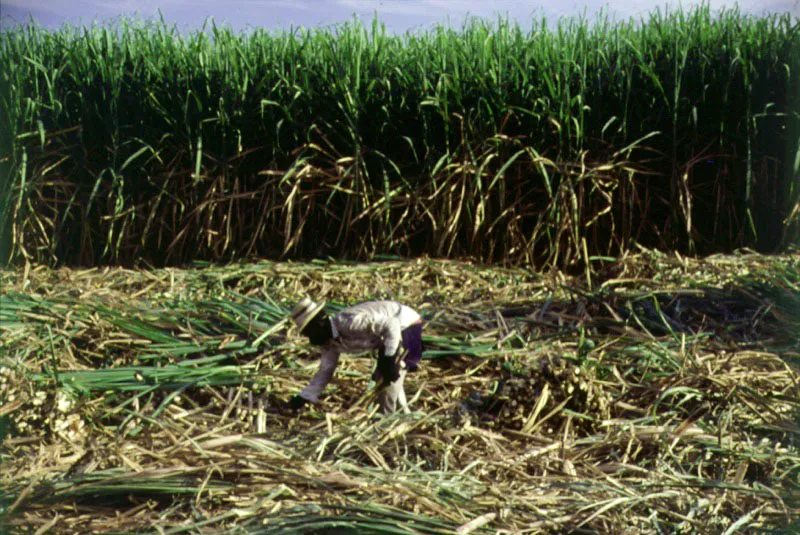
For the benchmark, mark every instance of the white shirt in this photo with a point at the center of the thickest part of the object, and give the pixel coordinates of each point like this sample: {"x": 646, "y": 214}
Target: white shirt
{"x": 363, "y": 327}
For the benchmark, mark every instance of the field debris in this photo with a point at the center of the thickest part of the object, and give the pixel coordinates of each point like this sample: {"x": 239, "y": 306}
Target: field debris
{"x": 661, "y": 396}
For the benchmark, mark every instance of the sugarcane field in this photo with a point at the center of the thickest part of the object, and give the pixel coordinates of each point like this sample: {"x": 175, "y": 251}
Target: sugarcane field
{"x": 501, "y": 278}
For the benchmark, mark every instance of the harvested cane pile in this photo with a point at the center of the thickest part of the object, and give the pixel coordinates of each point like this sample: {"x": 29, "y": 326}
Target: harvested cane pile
{"x": 660, "y": 395}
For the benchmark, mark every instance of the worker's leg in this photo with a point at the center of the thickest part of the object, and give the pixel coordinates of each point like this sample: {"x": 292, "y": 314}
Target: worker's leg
{"x": 394, "y": 394}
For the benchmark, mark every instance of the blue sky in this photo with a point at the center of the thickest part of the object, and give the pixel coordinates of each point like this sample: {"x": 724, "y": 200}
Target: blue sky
{"x": 399, "y": 15}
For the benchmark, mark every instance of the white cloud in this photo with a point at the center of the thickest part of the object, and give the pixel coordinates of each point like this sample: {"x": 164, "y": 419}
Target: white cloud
{"x": 431, "y": 8}
{"x": 34, "y": 6}
{"x": 21, "y": 4}
{"x": 457, "y": 9}
{"x": 88, "y": 8}
{"x": 398, "y": 14}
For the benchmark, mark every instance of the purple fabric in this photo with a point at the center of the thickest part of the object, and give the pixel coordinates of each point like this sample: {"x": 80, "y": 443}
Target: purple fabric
{"x": 412, "y": 342}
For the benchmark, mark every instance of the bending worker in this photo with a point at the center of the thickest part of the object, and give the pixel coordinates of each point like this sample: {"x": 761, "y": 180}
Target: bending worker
{"x": 388, "y": 326}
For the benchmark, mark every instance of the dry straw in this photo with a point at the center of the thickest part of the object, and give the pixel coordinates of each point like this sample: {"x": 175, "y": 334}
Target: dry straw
{"x": 665, "y": 399}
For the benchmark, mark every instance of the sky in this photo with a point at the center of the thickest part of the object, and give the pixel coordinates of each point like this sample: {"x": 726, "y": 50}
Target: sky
{"x": 398, "y": 15}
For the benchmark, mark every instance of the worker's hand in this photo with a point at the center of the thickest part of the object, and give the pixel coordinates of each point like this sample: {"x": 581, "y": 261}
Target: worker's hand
{"x": 389, "y": 368}
{"x": 296, "y": 403}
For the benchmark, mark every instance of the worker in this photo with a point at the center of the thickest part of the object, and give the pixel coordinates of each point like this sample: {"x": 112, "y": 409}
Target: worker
{"x": 395, "y": 330}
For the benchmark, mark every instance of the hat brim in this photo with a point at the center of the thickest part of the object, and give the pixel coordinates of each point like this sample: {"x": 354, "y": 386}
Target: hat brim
{"x": 309, "y": 314}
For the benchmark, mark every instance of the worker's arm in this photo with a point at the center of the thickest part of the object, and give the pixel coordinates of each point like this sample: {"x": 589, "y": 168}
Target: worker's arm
{"x": 328, "y": 361}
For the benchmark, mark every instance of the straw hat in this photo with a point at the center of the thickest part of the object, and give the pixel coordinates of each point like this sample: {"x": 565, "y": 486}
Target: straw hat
{"x": 304, "y": 312}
